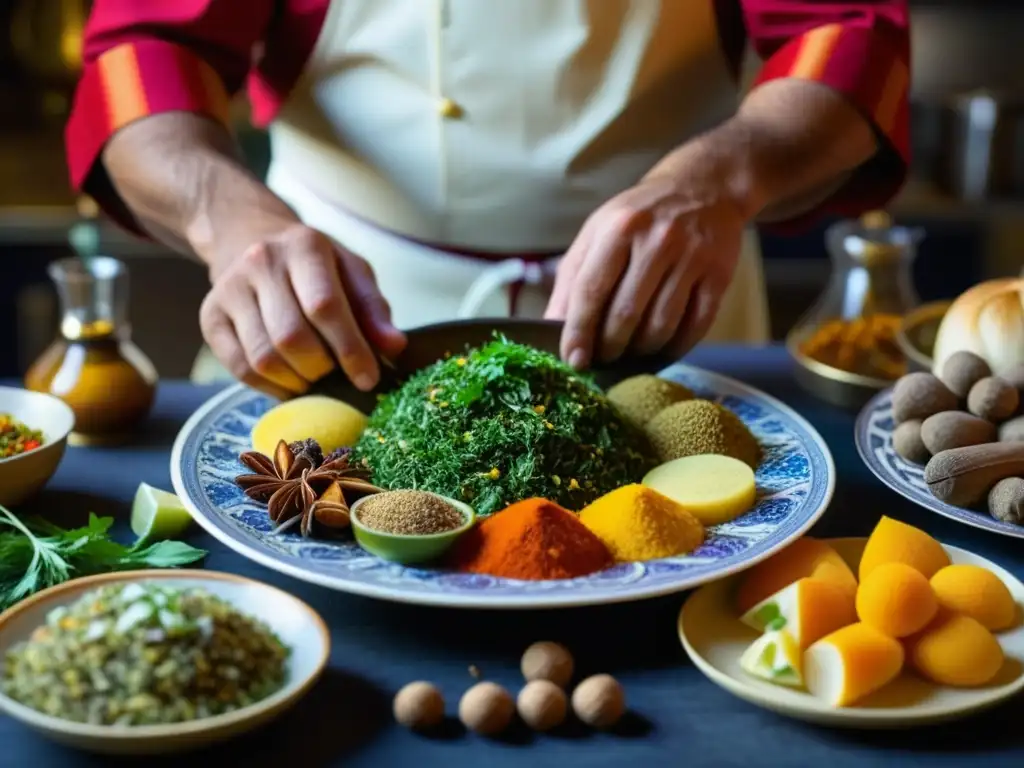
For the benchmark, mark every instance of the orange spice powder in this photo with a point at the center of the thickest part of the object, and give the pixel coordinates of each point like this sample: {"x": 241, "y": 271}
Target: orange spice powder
{"x": 533, "y": 539}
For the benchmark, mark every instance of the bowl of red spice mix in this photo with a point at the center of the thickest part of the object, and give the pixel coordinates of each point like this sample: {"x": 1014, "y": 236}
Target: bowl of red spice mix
{"x": 409, "y": 527}
{"x": 34, "y": 429}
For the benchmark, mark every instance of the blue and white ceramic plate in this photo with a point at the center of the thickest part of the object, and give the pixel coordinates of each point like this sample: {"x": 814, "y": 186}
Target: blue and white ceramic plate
{"x": 795, "y": 481}
{"x": 873, "y": 435}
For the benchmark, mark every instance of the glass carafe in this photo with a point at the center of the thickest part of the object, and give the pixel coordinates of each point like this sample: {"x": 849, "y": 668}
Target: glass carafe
{"x": 93, "y": 365}
{"x": 853, "y": 325}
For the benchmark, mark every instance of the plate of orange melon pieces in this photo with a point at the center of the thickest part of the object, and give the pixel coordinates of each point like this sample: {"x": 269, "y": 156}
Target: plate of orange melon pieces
{"x": 892, "y": 631}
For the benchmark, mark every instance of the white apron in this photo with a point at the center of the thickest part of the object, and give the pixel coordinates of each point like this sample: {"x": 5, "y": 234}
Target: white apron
{"x": 495, "y": 127}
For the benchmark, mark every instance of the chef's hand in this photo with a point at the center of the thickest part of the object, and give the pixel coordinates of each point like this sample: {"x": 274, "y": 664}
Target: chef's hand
{"x": 282, "y": 312}
{"x": 647, "y": 271}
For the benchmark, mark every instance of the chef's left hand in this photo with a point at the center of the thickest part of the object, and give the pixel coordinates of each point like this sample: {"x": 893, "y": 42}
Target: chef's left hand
{"x": 647, "y": 271}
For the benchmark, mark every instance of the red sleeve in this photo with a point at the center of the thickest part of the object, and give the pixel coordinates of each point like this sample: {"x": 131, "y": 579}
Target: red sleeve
{"x": 143, "y": 58}
{"x": 860, "y": 49}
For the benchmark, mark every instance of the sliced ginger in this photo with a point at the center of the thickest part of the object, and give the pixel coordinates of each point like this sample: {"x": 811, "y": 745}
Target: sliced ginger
{"x": 805, "y": 557}
{"x": 895, "y": 542}
{"x": 847, "y": 665}
{"x": 714, "y": 488}
{"x": 808, "y": 609}
{"x": 956, "y": 650}
{"x": 332, "y": 423}
{"x": 896, "y": 600}
{"x": 976, "y": 592}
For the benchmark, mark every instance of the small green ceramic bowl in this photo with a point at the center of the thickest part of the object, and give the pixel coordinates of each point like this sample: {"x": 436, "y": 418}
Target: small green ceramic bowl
{"x": 409, "y": 549}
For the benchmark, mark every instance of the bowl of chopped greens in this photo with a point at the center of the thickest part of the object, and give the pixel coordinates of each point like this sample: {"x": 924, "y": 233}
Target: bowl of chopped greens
{"x": 34, "y": 429}
{"x": 153, "y": 662}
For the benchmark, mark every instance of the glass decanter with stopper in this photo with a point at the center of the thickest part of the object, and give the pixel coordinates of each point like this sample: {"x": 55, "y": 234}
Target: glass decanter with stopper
{"x": 849, "y": 336}
{"x": 93, "y": 365}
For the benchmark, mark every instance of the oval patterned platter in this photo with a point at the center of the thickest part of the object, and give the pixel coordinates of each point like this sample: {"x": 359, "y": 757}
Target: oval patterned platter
{"x": 795, "y": 482}
{"x": 873, "y": 436}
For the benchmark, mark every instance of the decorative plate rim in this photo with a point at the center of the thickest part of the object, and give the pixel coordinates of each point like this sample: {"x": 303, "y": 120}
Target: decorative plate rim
{"x": 878, "y": 407}
{"x": 529, "y": 600}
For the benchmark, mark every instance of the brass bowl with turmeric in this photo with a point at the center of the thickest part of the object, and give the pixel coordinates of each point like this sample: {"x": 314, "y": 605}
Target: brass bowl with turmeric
{"x": 847, "y": 361}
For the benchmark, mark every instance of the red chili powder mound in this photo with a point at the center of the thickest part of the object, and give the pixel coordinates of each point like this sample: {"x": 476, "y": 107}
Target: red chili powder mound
{"x": 533, "y": 539}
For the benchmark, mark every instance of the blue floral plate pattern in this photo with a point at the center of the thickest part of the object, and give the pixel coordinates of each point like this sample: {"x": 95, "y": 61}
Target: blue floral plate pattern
{"x": 873, "y": 436}
{"x": 795, "y": 481}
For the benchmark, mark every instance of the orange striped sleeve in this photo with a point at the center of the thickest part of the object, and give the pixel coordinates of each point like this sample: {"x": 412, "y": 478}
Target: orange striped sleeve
{"x": 132, "y": 81}
{"x": 860, "y": 50}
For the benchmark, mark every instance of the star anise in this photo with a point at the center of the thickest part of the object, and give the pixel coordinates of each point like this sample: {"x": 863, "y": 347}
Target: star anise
{"x": 298, "y": 489}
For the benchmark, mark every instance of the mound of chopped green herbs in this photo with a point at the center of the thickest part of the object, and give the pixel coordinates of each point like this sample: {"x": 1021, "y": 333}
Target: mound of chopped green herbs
{"x": 502, "y": 423}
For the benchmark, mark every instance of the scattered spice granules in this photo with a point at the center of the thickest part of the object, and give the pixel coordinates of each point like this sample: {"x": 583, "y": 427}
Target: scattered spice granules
{"x": 409, "y": 513}
{"x": 534, "y": 539}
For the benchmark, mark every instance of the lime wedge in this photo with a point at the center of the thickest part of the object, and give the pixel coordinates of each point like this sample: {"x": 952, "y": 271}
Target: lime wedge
{"x": 775, "y": 657}
{"x": 157, "y": 515}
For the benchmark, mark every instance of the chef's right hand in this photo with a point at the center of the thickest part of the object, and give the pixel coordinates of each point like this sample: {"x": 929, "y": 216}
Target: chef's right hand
{"x": 283, "y": 311}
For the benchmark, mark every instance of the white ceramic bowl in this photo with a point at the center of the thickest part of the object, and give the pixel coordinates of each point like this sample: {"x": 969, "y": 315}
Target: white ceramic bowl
{"x": 298, "y": 626}
{"x": 23, "y": 475}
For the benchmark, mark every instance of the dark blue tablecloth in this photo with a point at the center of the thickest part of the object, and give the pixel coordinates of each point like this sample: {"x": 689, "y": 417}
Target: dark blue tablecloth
{"x": 677, "y": 716}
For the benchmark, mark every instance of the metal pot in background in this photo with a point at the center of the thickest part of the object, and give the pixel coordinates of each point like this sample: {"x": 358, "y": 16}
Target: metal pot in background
{"x": 981, "y": 146}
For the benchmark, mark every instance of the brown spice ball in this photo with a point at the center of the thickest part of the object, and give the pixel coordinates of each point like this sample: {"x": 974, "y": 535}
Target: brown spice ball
{"x": 486, "y": 708}
{"x": 993, "y": 399}
{"x": 640, "y": 398}
{"x": 699, "y": 426}
{"x": 1006, "y": 501}
{"x": 1012, "y": 431}
{"x": 920, "y": 395}
{"x": 599, "y": 701}
{"x": 955, "y": 429}
{"x": 419, "y": 706}
{"x": 542, "y": 705}
{"x": 962, "y": 370}
{"x": 547, "y": 661}
{"x": 907, "y": 442}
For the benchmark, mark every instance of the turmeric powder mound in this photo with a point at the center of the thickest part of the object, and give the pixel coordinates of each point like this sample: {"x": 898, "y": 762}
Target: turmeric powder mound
{"x": 695, "y": 427}
{"x": 638, "y": 523}
{"x": 533, "y": 539}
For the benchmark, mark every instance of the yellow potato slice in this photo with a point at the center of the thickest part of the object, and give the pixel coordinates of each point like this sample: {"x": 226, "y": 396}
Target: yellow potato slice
{"x": 714, "y": 488}
{"x": 332, "y": 423}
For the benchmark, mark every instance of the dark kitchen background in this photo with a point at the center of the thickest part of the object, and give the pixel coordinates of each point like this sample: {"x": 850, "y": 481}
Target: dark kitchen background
{"x": 967, "y": 189}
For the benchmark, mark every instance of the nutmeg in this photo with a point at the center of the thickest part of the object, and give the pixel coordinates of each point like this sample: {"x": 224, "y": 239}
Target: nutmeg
{"x": 920, "y": 395}
{"x": 955, "y": 429}
{"x": 962, "y": 371}
{"x": 993, "y": 399}
{"x": 907, "y": 442}
{"x": 1006, "y": 500}
{"x": 1012, "y": 431}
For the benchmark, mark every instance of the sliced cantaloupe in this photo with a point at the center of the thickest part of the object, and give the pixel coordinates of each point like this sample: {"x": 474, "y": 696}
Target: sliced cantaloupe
{"x": 896, "y": 600}
{"x": 808, "y": 609}
{"x": 714, "y": 488}
{"x": 805, "y": 557}
{"x": 895, "y": 542}
{"x": 978, "y": 593}
{"x": 956, "y": 650}
{"x": 847, "y": 665}
{"x": 775, "y": 657}
{"x": 332, "y": 423}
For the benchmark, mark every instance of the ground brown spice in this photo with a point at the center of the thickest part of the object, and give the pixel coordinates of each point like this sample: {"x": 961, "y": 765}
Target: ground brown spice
{"x": 411, "y": 513}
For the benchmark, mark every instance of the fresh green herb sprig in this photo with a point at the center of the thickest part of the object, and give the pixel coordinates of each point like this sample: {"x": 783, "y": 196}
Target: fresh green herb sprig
{"x": 35, "y": 554}
{"x": 499, "y": 424}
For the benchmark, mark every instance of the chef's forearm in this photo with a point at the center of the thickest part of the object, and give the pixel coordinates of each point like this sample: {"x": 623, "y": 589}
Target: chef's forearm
{"x": 180, "y": 175}
{"x": 791, "y": 145}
